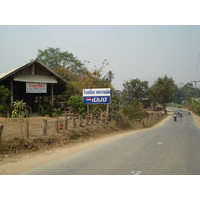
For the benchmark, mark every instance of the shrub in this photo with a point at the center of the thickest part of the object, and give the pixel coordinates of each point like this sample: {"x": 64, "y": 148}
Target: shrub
{"x": 134, "y": 111}
{"x": 77, "y": 104}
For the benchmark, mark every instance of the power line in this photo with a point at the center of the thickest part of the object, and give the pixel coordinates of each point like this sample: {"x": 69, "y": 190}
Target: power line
{"x": 197, "y": 66}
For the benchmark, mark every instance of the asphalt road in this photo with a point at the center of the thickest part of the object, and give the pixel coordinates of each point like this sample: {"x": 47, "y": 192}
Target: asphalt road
{"x": 172, "y": 149}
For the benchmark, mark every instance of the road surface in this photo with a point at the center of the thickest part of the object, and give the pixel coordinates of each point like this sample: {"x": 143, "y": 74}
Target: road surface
{"x": 172, "y": 149}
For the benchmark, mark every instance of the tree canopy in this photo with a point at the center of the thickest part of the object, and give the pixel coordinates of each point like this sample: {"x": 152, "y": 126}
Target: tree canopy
{"x": 54, "y": 58}
{"x": 135, "y": 89}
{"x": 162, "y": 90}
{"x": 79, "y": 77}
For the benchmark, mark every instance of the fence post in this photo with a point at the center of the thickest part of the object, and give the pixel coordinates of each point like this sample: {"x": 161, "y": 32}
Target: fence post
{"x": 73, "y": 122}
{"x": 87, "y": 119}
{"x": 101, "y": 117}
{"x": 27, "y": 129}
{"x": 56, "y": 126}
{"x": 65, "y": 123}
{"x": 80, "y": 120}
{"x": 1, "y": 130}
{"x": 44, "y": 123}
{"x": 91, "y": 119}
{"x": 97, "y": 119}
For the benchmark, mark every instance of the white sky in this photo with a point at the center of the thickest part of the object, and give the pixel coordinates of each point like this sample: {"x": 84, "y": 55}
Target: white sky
{"x": 133, "y": 51}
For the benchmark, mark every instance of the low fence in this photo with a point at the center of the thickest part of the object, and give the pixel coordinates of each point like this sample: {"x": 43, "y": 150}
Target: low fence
{"x": 43, "y": 126}
{"x": 38, "y": 127}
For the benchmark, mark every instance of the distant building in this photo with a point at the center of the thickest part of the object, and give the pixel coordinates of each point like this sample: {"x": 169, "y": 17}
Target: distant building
{"x": 33, "y": 82}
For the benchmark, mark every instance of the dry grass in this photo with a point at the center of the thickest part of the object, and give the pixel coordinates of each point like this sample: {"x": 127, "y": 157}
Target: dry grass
{"x": 14, "y": 141}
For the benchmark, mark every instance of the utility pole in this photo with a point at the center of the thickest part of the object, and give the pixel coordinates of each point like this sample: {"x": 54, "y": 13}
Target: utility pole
{"x": 195, "y": 82}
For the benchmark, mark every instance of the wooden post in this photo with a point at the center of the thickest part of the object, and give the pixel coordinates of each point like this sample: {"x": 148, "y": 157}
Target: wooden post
{"x": 80, "y": 120}
{"x": 97, "y": 119}
{"x": 52, "y": 93}
{"x": 56, "y": 126}
{"x": 101, "y": 117}
{"x": 27, "y": 129}
{"x": 1, "y": 130}
{"x": 44, "y": 126}
{"x": 73, "y": 122}
{"x": 11, "y": 90}
{"x": 65, "y": 123}
{"x": 91, "y": 119}
{"x": 88, "y": 109}
{"x": 87, "y": 119}
{"x": 107, "y": 112}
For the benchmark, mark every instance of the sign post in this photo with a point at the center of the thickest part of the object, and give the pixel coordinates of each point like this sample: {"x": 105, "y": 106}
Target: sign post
{"x": 97, "y": 96}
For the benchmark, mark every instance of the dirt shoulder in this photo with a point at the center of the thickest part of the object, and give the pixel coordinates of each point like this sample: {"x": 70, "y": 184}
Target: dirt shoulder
{"x": 20, "y": 163}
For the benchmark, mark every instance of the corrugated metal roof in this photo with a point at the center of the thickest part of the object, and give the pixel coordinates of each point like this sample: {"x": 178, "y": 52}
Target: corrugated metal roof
{"x": 35, "y": 78}
{"x": 13, "y": 71}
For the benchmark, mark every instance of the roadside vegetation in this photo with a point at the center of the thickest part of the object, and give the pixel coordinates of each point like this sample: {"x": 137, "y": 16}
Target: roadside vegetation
{"x": 14, "y": 142}
{"x": 132, "y": 106}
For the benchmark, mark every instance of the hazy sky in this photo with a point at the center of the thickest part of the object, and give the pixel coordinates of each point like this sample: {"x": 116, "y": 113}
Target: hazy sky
{"x": 144, "y": 52}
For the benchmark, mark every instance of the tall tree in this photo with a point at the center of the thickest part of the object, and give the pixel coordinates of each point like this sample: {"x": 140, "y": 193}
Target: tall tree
{"x": 135, "y": 89}
{"x": 86, "y": 79}
{"x": 54, "y": 58}
{"x": 162, "y": 90}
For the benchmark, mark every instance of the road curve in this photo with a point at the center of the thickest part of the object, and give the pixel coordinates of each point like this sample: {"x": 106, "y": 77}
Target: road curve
{"x": 172, "y": 149}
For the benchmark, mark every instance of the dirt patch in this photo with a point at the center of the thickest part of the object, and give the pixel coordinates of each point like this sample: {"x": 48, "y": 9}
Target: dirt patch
{"x": 17, "y": 163}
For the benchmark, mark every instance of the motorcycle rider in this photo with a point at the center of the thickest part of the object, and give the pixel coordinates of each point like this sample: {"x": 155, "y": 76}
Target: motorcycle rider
{"x": 174, "y": 116}
{"x": 181, "y": 113}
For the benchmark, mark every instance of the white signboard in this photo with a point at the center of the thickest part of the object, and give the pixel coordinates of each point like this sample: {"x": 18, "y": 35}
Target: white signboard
{"x": 97, "y": 96}
{"x": 36, "y": 88}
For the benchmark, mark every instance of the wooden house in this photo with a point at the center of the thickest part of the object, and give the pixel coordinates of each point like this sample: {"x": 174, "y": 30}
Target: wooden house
{"x": 32, "y": 82}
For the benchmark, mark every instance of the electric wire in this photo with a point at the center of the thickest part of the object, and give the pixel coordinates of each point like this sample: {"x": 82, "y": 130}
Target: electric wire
{"x": 197, "y": 68}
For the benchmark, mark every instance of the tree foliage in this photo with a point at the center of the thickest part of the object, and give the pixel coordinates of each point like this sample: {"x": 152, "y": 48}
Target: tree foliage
{"x": 54, "y": 58}
{"x": 193, "y": 105}
{"x": 77, "y": 104}
{"x": 134, "y": 111}
{"x": 162, "y": 90}
{"x": 20, "y": 111}
{"x": 135, "y": 89}
{"x": 86, "y": 79}
{"x": 4, "y": 94}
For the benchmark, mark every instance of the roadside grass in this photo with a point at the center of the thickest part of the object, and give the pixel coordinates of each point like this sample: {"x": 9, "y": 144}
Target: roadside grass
{"x": 14, "y": 143}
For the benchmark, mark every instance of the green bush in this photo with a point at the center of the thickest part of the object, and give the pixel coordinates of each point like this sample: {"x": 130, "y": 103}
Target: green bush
{"x": 56, "y": 112}
{"x": 134, "y": 111}
{"x": 77, "y": 104}
{"x": 47, "y": 110}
